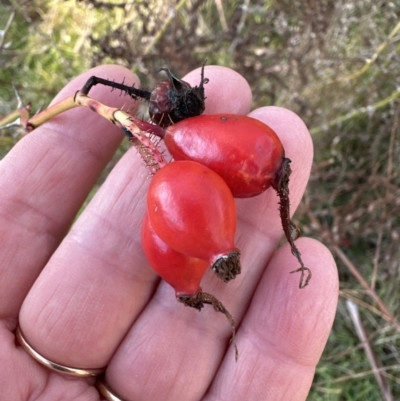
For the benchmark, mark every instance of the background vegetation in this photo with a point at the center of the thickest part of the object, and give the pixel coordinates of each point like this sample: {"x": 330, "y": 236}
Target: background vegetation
{"x": 334, "y": 62}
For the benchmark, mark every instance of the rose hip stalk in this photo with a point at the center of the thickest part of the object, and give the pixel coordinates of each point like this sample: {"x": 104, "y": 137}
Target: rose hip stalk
{"x": 182, "y": 272}
{"x": 172, "y": 100}
{"x": 192, "y": 209}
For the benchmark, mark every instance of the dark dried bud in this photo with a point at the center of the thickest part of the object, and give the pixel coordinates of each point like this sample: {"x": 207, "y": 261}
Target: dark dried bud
{"x": 228, "y": 267}
{"x": 174, "y": 100}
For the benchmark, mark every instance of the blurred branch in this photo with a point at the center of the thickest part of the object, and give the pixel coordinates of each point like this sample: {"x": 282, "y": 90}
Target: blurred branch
{"x": 394, "y": 130}
{"x": 353, "y": 270}
{"x": 347, "y": 295}
{"x": 164, "y": 27}
{"x": 376, "y": 257}
{"x": 387, "y": 314}
{"x": 240, "y": 26}
{"x": 371, "y": 60}
{"x": 374, "y": 362}
{"x": 353, "y": 376}
{"x": 103, "y": 4}
{"x": 221, "y": 14}
{"x": 7, "y": 27}
{"x": 357, "y": 112}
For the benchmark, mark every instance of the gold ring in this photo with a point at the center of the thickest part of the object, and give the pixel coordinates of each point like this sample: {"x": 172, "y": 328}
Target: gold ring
{"x": 105, "y": 390}
{"x": 66, "y": 370}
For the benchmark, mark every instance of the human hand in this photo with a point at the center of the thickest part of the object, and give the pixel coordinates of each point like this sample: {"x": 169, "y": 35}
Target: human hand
{"x": 86, "y": 297}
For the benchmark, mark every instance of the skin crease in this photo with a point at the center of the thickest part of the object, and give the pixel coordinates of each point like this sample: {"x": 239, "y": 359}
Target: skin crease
{"x": 97, "y": 302}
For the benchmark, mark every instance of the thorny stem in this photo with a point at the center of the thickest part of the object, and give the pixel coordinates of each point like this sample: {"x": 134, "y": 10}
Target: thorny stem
{"x": 130, "y": 125}
{"x": 22, "y": 113}
{"x": 50, "y": 112}
{"x": 150, "y": 128}
{"x": 281, "y": 186}
{"x": 147, "y": 149}
{"x": 133, "y": 92}
{"x": 197, "y": 301}
{"x": 71, "y": 102}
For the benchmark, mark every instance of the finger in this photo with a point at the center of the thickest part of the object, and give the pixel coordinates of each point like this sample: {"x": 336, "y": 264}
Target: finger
{"x": 226, "y": 91}
{"x": 285, "y": 330}
{"x": 44, "y": 181}
{"x": 97, "y": 275}
{"x": 98, "y": 280}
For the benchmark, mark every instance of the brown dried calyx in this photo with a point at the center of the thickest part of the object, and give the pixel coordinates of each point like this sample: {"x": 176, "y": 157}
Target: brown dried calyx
{"x": 174, "y": 100}
{"x": 227, "y": 267}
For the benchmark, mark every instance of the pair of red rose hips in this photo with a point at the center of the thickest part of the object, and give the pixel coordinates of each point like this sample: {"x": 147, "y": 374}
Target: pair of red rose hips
{"x": 190, "y": 203}
{"x": 191, "y": 215}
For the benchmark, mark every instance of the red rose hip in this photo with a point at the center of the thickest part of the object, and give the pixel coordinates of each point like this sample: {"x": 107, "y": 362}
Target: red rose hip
{"x": 192, "y": 209}
{"x": 181, "y": 272}
{"x": 245, "y": 152}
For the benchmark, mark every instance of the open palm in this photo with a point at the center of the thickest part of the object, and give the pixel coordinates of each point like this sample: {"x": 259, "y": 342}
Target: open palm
{"x": 86, "y": 297}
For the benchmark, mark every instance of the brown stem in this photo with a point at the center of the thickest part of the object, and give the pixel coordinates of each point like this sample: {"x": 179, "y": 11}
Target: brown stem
{"x": 152, "y": 157}
{"x": 150, "y": 128}
{"x": 281, "y": 185}
{"x": 22, "y": 113}
{"x": 81, "y": 99}
{"x": 50, "y": 112}
{"x": 149, "y": 152}
{"x": 197, "y": 301}
{"x": 133, "y": 92}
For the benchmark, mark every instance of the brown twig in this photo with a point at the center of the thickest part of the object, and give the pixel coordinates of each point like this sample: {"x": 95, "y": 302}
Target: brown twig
{"x": 151, "y": 155}
{"x": 353, "y": 270}
{"x": 164, "y": 27}
{"x": 221, "y": 15}
{"x": 387, "y": 314}
{"x": 372, "y": 59}
{"x": 6, "y": 29}
{"x": 21, "y": 114}
{"x": 360, "y": 302}
{"x": 376, "y": 258}
{"x": 353, "y": 376}
{"x": 374, "y": 362}
{"x": 393, "y": 132}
